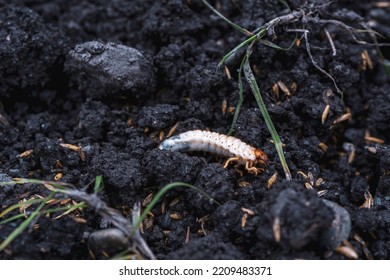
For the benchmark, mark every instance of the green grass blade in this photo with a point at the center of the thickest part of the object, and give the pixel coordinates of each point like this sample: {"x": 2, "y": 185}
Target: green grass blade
{"x": 239, "y": 28}
{"x": 99, "y": 184}
{"x": 240, "y": 100}
{"x": 17, "y": 205}
{"x": 24, "y": 224}
{"x": 59, "y": 185}
{"x": 272, "y": 45}
{"x": 10, "y": 219}
{"x": 275, "y": 136}
{"x": 137, "y": 223}
{"x": 69, "y": 208}
{"x": 233, "y": 51}
{"x": 48, "y": 211}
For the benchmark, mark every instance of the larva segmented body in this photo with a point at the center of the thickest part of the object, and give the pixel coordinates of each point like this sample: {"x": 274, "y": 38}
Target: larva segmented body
{"x": 206, "y": 141}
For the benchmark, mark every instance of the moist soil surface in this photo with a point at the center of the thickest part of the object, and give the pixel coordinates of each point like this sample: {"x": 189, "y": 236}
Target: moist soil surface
{"x": 113, "y": 78}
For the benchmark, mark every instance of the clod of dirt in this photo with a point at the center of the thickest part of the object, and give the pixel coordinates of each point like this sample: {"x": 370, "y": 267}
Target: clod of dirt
{"x": 379, "y": 111}
{"x": 201, "y": 109}
{"x": 171, "y": 21}
{"x": 159, "y": 116}
{"x": 53, "y": 239}
{"x": 340, "y": 229}
{"x": 385, "y": 160}
{"x": 384, "y": 185}
{"x": 200, "y": 80}
{"x": 5, "y": 190}
{"x": 358, "y": 187}
{"x": 110, "y": 70}
{"x": 383, "y": 153}
{"x": 124, "y": 176}
{"x": 227, "y": 216}
{"x": 297, "y": 217}
{"x": 40, "y": 123}
{"x": 366, "y": 220}
{"x": 48, "y": 152}
{"x": 250, "y": 128}
{"x": 211, "y": 247}
{"x": 29, "y": 50}
{"x": 214, "y": 181}
{"x": 165, "y": 167}
{"x": 93, "y": 118}
{"x": 378, "y": 235}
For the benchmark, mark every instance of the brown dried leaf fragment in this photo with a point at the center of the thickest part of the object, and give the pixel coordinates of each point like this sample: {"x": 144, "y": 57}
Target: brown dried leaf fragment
{"x": 224, "y": 107}
{"x": 147, "y": 199}
{"x": 347, "y": 252}
{"x": 276, "y": 228}
{"x": 176, "y": 216}
{"x": 271, "y": 181}
{"x": 26, "y": 153}
{"x": 284, "y": 88}
{"x": 248, "y": 211}
{"x": 58, "y": 176}
{"x": 325, "y": 113}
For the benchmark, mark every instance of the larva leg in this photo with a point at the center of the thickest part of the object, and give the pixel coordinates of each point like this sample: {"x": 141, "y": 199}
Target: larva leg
{"x": 231, "y": 160}
{"x": 251, "y": 169}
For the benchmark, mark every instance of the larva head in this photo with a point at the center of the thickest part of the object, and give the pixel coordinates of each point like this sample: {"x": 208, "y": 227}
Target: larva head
{"x": 170, "y": 144}
{"x": 261, "y": 157}
{"x": 167, "y": 145}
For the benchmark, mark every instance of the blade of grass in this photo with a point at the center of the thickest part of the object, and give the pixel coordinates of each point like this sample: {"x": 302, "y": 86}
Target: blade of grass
{"x": 24, "y": 224}
{"x": 99, "y": 184}
{"x": 240, "y": 100}
{"x": 272, "y": 45}
{"x": 66, "y": 208}
{"x": 240, "y": 86}
{"x": 137, "y": 223}
{"x": 71, "y": 209}
{"x": 239, "y": 28}
{"x": 47, "y": 211}
{"x": 256, "y": 92}
{"x": 17, "y": 205}
{"x": 233, "y": 51}
{"x": 22, "y": 181}
{"x": 10, "y": 219}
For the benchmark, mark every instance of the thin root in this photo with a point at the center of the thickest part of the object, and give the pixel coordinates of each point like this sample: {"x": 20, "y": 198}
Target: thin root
{"x": 316, "y": 65}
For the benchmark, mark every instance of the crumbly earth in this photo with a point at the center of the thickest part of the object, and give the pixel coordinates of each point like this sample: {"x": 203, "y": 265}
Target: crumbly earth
{"x": 113, "y": 77}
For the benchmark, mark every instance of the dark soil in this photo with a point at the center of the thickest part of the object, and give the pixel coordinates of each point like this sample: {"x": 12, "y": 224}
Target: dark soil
{"x": 110, "y": 76}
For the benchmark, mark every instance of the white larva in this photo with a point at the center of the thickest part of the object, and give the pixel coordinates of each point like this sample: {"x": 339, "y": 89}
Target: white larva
{"x": 206, "y": 141}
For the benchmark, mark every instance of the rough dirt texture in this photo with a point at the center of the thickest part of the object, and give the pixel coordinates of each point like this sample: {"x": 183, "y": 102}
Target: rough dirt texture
{"x": 109, "y": 76}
